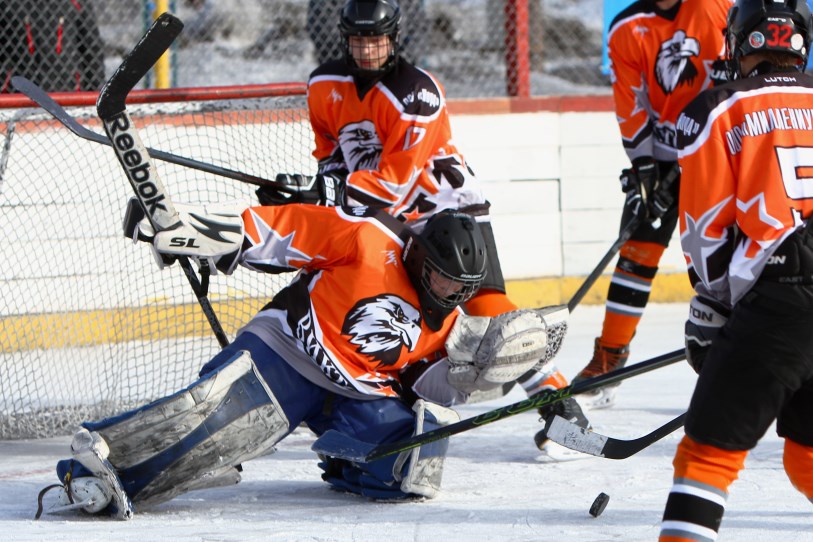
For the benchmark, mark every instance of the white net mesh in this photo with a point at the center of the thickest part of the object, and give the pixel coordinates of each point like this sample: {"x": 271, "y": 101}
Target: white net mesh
{"x": 88, "y": 324}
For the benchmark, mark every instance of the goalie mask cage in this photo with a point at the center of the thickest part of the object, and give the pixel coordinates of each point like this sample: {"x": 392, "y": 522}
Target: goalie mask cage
{"x": 89, "y": 326}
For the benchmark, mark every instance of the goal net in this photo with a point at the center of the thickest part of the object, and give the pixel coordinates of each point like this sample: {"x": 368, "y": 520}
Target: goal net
{"x": 89, "y": 326}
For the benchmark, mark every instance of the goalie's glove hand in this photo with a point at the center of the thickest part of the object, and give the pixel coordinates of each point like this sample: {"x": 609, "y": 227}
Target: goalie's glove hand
{"x": 212, "y": 235}
{"x": 320, "y": 189}
{"x": 706, "y": 317}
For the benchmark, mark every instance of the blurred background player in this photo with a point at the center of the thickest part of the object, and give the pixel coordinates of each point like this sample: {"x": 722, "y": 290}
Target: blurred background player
{"x": 663, "y": 53}
{"x": 328, "y": 41}
{"x": 54, "y": 43}
{"x": 383, "y": 139}
{"x": 745, "y": 218}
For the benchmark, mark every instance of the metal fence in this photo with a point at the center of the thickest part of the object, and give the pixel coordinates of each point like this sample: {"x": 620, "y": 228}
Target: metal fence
{"x": 477, "y": 48}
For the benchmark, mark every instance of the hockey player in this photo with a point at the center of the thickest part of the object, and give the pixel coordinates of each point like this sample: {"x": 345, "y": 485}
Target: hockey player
{"x": 746, "y": 204}
{"x": 355, "y": 343}
{"x": 663, "y": 53}
{"x": 383, "y": 139}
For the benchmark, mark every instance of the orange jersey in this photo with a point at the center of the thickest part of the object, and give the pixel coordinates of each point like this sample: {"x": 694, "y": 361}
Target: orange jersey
{"x": 395, "y": 141}
{"x": 747, "y": 158}
{"x": 352, "y": 308}
{"x": 660, "y": 62}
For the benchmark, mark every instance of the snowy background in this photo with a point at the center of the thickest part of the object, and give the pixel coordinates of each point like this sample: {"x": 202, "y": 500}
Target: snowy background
{"x": 496, "y": 485}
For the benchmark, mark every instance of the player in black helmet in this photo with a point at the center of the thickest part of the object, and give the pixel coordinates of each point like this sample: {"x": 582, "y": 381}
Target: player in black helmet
{"x": 746, "y": 211}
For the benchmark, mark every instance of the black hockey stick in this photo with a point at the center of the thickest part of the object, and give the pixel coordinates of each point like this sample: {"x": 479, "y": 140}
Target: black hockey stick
{"x": 623, "y": 237}
{"x": 336, "y": 444}
{"x": 571, "y": 436}
{"x": 133, "y": 156}
{"x": 42, "y": 99}
{"x": 626, "y": 232}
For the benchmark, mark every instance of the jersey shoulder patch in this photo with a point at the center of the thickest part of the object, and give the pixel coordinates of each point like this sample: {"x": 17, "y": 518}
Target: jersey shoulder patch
{"x": 416, "y": 91}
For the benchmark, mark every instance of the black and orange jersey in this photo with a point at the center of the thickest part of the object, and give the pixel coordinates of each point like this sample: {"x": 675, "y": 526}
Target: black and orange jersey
{"x": 660, "y": 61}
{"x": 394, "y": 140}
{"x": 746, "y": 152}
{"x": 351, "y": 308}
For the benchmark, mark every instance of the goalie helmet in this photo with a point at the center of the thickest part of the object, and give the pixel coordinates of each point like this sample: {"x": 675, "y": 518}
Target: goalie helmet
{"x": 371, "y": 18}
{"x": 755, "y": 26}
{"x": 446, "y": 263}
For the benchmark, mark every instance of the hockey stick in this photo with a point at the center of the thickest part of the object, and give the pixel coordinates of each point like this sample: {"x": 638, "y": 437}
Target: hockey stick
{"x": 571, "y": 436}
{"x": 42, "y": 99}
{"x": 626, "y": 232}
{"x": 133, "y": 156}
{"x": 11, "y": 126}
{"x": 336, "y": 444}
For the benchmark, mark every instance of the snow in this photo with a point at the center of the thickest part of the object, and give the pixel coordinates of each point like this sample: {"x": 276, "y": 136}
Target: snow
{"x": 495, "y": 486}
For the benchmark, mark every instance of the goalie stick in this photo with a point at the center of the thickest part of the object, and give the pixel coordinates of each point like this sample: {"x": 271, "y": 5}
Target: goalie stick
{"x": 37, "y": 95}
{"x": 574, "y": 437}
{"x": 339, "y": 445}
{"x": 133, "y": 156}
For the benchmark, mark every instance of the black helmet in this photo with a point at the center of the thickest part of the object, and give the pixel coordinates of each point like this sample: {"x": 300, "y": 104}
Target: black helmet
{"x": 371, "y": 18}
{"x": 446, "y": 263}
{"x": 768, "y": 25}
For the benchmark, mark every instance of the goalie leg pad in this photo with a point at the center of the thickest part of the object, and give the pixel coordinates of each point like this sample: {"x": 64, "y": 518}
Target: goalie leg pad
{"x": 424, "y": 465}
{"x": 195, "y": 436}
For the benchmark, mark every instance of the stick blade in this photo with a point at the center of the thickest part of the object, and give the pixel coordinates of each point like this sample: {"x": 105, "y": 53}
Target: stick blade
{"x": 137, "y": 63}
{"x": 577, "y": 438}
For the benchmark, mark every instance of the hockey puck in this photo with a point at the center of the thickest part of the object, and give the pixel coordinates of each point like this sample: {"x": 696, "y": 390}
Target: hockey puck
{"x": 599, "y": 504}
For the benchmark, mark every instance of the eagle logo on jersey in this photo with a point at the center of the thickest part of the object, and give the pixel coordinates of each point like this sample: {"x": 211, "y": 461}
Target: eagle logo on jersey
{"x": 361, "y": 146}
{"x": 673, "y": 66}
{"x": 382, "y": 326}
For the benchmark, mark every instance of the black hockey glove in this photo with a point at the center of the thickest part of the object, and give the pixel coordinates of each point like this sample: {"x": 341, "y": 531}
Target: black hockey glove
{"x": 706, "y": 317}
{"x": 320, "y": 189}
{"x": 638, "y": 182}
{"x": 719, "y": 72}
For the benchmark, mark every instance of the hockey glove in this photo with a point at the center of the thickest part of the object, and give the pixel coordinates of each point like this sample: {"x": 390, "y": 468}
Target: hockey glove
{"x": 320, "y": 189}
{"x": 638, "y": 183}
{"x": 720, "y": 72}
{"x": 212, "y": 235}
{"x": 706, "y": 317}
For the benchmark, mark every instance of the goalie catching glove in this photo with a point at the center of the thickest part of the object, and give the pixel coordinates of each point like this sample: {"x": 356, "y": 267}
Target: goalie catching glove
{"x": 705, "y": 320}
{"x": 320, "y": 189}
{"x": 486, "y": 352}
{"x": 212, "y": 235}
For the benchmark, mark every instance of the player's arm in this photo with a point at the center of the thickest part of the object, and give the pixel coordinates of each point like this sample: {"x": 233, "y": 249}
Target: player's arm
{"x": 289, "y": 237}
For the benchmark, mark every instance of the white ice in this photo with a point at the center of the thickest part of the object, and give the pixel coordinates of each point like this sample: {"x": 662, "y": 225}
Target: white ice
{"x": 495, "y": 487}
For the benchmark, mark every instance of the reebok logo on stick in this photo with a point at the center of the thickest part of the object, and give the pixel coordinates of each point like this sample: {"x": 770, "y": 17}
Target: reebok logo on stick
{"x": 119, "y": 128}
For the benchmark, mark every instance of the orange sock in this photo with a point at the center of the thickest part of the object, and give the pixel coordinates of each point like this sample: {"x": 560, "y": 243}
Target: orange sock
{"x": 798, "y": 462}
{"x": 629, "y": 291}
{"x": 697, "y": 500}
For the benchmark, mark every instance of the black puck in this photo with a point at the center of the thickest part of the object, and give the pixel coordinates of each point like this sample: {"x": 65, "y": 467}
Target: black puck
{"x": 599, "y": 504}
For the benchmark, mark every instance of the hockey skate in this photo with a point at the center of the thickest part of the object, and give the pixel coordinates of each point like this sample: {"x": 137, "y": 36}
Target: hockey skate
{"x": 89, "y": 481}
{"x": 86, "y": 493}
{"x": 604, "y": 360}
